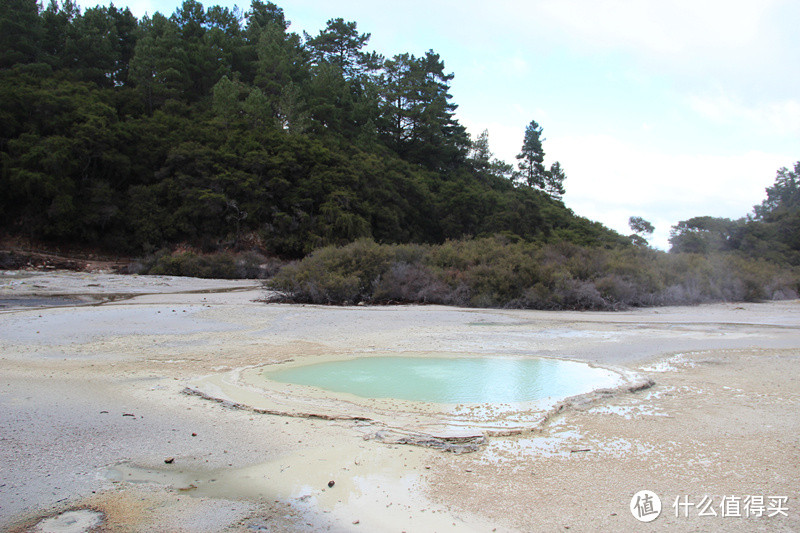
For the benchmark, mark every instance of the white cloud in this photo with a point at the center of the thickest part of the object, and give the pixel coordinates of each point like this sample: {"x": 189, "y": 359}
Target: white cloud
{"x": 749, "y": 46}
{"x": 675, "y": 26}
{"x": 781, "y": 117}
{"x": 610, "y": 180}
{"x": 516, "y": 64}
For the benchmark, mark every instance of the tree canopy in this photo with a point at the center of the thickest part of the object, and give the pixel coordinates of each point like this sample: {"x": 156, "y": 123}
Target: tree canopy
{"x": 532, "y": 171}
{"x": 219, "y": 127}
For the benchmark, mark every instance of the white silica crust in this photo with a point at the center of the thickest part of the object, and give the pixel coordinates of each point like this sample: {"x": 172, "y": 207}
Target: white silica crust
{"x": 71, "y": 522}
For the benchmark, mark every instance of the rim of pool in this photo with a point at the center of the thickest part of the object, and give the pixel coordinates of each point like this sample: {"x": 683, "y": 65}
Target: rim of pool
{"x": 503, "y": 400}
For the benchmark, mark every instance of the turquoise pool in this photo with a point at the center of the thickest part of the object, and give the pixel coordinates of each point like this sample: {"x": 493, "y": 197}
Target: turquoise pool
{"x": 451, "y": 379}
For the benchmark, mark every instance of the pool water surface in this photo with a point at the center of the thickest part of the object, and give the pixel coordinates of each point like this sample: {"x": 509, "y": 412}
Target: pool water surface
{"x": 451, "y": 380}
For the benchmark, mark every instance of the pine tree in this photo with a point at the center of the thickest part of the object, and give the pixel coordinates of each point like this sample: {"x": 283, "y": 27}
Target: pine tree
{"x": 480, "y": 153}
{"x": 340, "y": 44}
{"x": 531, "y": 157}
{"x": 554, "y": 181}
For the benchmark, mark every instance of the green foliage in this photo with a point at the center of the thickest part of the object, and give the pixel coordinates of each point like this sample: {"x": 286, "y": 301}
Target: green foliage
{"x": 554, "y": 181}
{"x": 773, "y": 233}
{"x": 416, "y": 116}
{"x": 640, "y": 226}
{"x": 531, "y": 157}
{"x": 783, "y": 197}
{"x": 214, "y": 127}
{"x": 20, "y": 32}
{"x": 221, "y": 265}
{"x": 531, "y": 165}
{"x": 705, "y": 234}
{"x": 210, "y": 124}
{"x": 503, "y": 272}
{"x": 340, "y": 44}
{"x": 336, "y": 275}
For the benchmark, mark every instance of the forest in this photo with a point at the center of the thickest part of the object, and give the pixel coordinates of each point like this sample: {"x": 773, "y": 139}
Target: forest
{"x": 219, "y": 129}
{"x": 711, "y": 259}
{"x": 217, "y": 142}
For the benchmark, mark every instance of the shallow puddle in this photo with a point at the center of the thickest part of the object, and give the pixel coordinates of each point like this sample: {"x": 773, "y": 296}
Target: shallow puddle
{"x": 18, "y": 302}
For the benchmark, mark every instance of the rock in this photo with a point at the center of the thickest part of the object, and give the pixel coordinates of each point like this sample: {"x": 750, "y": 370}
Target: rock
{"x": 169, "y": 460}
{"x": 331, "y": 483}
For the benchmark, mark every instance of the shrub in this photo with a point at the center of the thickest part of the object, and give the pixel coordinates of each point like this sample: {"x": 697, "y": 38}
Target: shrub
{"x": 414, "y": 282}
{"x": 220, "y": 265}
{"x": 197, "y": 266}
{"x": 341, "y": 275}
{"x": 498, "y": 272}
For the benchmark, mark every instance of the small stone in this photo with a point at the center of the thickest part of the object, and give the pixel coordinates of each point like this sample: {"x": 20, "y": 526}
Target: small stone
{"x": 169, "y": 460}
{"x": 331, "y": 483}
{"x": 355, "y": 522}
{"x": 194, "y": 434}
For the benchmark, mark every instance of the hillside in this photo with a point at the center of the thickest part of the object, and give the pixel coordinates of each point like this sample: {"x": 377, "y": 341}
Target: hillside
{"x": 218, "y": 129}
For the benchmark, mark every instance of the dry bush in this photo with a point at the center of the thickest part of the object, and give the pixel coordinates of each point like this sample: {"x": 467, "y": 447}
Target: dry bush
{"x": 219, "y": 265}
{"x": 498, "y": 272}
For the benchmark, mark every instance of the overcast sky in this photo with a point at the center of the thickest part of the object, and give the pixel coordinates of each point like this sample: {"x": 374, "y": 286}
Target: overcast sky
{"x": 664, "y": 109}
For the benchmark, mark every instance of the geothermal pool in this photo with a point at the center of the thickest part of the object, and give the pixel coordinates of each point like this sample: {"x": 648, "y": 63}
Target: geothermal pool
{"x": 451, "y": 380}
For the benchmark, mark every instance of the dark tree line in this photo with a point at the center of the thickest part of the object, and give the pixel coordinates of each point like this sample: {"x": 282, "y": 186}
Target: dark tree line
{"x": 212, "y": 125}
